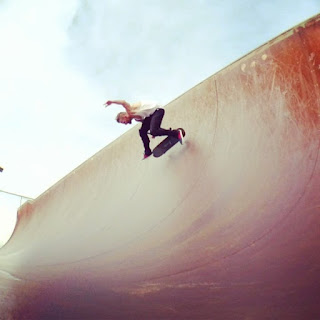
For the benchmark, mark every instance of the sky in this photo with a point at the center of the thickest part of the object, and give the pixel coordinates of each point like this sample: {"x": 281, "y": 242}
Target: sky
{"x": 60, "y": 60}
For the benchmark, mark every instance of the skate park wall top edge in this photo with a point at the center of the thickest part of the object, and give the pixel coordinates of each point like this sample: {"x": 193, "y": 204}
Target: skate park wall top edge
{"x": 252, "y": 143}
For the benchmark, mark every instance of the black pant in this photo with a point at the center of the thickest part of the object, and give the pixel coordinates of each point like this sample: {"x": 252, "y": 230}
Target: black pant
{"x": 153, "y": 124}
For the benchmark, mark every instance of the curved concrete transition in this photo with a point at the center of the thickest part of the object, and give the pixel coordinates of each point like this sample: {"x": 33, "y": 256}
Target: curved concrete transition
{"x": 226, "y": 226}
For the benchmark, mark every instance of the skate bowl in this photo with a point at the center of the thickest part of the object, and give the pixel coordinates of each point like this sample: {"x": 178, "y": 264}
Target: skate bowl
{"x": 226, "y": 226}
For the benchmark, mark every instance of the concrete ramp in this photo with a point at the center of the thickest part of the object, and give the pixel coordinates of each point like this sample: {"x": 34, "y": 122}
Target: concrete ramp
{"x": 226, "y": 226}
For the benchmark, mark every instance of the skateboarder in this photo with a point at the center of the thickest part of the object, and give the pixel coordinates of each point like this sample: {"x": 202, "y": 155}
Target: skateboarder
{"x": 150, "y": 114}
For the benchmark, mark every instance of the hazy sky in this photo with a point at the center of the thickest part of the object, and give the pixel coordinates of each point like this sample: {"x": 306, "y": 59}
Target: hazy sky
{"x": 60, "y": 60}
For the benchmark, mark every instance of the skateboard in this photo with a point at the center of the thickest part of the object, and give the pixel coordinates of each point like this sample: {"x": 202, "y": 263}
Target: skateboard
{"x": 166, "y": 144}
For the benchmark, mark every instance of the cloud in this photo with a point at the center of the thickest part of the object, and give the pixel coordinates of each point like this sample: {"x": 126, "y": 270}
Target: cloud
{"x": 132, "y": 47}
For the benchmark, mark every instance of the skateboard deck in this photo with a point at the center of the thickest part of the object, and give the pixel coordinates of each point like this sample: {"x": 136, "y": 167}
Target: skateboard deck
{"x": 165, "y": 145}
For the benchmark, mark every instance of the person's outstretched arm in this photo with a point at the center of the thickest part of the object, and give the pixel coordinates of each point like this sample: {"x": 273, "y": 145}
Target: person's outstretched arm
{"x": 123, "y": 103}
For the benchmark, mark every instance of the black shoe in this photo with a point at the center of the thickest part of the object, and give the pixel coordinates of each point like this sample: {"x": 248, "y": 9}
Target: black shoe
{"x": 147, "y": 155}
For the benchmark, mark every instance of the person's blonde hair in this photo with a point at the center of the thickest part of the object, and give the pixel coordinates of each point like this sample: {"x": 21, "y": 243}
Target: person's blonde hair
{"x": 119, "y": 115}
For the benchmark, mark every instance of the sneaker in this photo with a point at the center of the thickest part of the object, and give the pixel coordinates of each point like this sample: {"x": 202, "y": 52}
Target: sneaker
{"x": 180, "y": 136}
{"x": 146, "y": 155}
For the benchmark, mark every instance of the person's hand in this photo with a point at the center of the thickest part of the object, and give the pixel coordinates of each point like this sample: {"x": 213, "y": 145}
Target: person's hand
{"x": 108, "y": 103}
